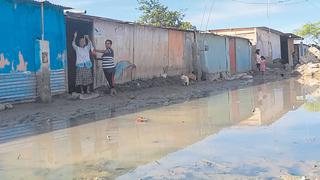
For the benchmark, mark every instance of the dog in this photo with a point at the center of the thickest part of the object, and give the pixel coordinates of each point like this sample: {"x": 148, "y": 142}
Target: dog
{"x": 185, "y": 80}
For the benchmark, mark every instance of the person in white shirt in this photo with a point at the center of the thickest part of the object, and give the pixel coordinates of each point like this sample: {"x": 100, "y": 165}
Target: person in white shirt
{"x": 258, "y": 59}
{"x": 83, "y": 63}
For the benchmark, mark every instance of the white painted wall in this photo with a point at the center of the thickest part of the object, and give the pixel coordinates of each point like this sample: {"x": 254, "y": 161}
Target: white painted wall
{"x": 269, "y": 44}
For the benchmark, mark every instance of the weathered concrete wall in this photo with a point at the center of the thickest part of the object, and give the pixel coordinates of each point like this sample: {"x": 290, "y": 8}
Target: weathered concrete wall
{"x": 248, "y": 33}
{"x": 269, "y": 44}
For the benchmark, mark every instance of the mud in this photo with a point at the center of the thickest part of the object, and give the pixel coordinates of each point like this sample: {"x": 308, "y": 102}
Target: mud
{"x": 248, "y": 131}
{"x": 133, "y": 97}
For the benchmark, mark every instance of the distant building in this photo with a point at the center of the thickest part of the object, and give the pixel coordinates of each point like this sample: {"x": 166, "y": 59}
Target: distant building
{"x": 273, "y": 44}
{"x": 301, "y": 49}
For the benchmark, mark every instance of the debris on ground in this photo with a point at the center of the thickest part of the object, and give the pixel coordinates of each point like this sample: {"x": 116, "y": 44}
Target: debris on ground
{"x": 239, "y": 76}
{"x": 74, "y": 96}
{"x": 89, "y": 96}
{"x": 310, "y": 69}
{"x": 312, "y": 55}
{"x": 2, "y": 107}
{"x": 310, "y": 73}
{"x": 141, "y": 119}
{"x": 109, "y": 138}
{"x": 132, "y": 97}
{"x": 6, "y": 106}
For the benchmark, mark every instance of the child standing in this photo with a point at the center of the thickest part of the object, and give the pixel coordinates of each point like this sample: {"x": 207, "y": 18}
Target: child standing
{"x": 263, "y": 64}
{"x": 258, "y": 60}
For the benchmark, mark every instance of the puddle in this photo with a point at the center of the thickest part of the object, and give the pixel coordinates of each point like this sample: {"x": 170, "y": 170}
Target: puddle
{"x": 267, "y": 131}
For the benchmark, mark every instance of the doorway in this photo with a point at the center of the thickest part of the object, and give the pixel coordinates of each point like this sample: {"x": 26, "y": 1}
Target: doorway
{"x": 284, "y": 49}
{"x": 83, "y": 27}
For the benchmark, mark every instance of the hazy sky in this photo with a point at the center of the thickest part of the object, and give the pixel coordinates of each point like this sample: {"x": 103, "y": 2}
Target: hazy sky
{"x": 286, "y": 16}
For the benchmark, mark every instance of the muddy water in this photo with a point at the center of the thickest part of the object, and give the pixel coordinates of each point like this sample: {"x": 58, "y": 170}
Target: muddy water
{"x": 267, "y": 130}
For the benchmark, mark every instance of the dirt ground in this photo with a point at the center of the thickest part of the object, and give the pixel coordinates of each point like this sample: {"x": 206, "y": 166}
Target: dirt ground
{"x": 132, "y": 97}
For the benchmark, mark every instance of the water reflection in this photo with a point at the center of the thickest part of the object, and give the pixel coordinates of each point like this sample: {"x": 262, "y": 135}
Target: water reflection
{"x": 115, "y": 146}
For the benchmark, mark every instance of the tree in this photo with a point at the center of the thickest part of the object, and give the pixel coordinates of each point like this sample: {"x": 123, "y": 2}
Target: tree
{"x": 157, "y": 14}
{"x": 311, "y": 31}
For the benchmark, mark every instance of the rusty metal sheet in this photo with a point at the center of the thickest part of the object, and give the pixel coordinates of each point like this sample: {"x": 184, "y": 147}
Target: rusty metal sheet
{"x": 176, "y": 53}
{"x": 232, "y": 54}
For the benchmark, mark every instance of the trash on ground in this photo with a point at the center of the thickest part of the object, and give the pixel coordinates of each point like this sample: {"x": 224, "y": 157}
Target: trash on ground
{"x": 88, "y": 96}
{"x": 141, "y": 119}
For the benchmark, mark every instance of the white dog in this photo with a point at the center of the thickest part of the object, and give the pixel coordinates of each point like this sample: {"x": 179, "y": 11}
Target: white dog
{"x": 185, "y": 80}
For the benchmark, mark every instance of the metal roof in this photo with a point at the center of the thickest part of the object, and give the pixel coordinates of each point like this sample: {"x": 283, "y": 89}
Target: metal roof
{"x": 86, "y": 17}
{"x": 38, "y": 2}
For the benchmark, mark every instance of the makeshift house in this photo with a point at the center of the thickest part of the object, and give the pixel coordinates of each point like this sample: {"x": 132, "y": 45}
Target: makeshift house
{"x": 33, "y": 41}
{"x": 272, "y": 43}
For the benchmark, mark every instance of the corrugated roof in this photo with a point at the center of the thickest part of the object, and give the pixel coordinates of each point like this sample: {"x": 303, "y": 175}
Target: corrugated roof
{"x": 92, "y": 18}
{"x": 38, "y": 2}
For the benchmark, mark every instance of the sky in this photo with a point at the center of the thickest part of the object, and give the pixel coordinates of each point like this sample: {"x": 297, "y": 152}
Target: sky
{"x": 214, "y": 14}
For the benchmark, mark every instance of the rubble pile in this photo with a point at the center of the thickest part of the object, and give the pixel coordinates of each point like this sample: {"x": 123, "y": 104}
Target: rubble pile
{"x": 310, "y": 73}
{"x": 310, "y": 69}
{"x": 313, "y": 55}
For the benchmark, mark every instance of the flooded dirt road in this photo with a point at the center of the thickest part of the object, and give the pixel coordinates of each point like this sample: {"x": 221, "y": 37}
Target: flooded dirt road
{"x": 271, "y": 130}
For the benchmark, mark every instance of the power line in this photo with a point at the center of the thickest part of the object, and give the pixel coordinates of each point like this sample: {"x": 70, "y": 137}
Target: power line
{"x": 278, "y": 2}
{"x": 210, "y": 12}
{"x": 204, "y": 13}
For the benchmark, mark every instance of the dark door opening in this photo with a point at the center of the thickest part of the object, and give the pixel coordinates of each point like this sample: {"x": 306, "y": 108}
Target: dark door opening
{"x": 284, "y": 49}
{"x": 83, "y": 28}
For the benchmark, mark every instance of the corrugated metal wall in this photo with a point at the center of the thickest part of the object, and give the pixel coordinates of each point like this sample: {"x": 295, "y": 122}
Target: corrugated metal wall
{"x": 122, "y": 37}
{"x": 224, "y": 54}
{"x": 21, "y": 27}
{"x": 243, "y": 55}
{"x": 17, "y": 87}
{"x": 188, "y": 50}
{"x": 214, "y": 53}
{"x": 151, "y": 49}
{"x": 176, "y": 52}
{"x": 232, "y": 54}
{"x": 57, "y": 82}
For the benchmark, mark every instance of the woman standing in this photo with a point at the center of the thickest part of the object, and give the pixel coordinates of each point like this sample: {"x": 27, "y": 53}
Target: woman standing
{"x": 108, "y": 65}
{"x": 83, "y": 63}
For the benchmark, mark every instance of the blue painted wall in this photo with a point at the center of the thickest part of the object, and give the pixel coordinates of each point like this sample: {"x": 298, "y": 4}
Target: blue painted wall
{"x": 243, "y": 55}
{"x": 21, "y": 26}
{"x": 215, "y": 58}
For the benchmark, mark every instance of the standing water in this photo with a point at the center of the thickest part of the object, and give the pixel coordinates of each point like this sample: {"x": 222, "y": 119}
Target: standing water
{"x": 263, "y": 131}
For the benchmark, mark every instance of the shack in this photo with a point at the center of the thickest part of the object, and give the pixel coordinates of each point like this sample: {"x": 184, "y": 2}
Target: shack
{"x": 273, "y": 44}
{"x": 223, "y": 55}
{"x": 24, "y": 37}
{"x": 152, "y": 50}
